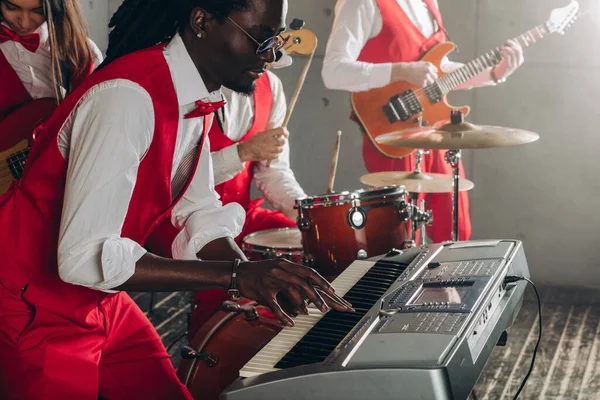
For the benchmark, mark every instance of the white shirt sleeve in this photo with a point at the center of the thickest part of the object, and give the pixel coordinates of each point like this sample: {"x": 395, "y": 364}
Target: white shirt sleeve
{"x": 104, "y": 141}
{"x": 226, "y": 163}
{"x": 97, "y": 56}
{"x": 200, "y": 216}
{"x": 352, "y": 28}
{"x": 277, "y": 182}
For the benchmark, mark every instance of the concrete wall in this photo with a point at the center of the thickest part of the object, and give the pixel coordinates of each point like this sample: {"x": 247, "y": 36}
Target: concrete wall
{"x": 544, "y": 193}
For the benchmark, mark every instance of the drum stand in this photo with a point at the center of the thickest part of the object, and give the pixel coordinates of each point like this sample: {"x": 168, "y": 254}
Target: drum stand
{"x": 418, "y": 218}
{"x": 453, "y": 159}
{"x": 417, "y": 214}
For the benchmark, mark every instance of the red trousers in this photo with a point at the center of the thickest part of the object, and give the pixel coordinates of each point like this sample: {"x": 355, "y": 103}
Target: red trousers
{"x": 113, "y": 352}
{"x": 209, "y": 301}
{"x": 440, "y": 204}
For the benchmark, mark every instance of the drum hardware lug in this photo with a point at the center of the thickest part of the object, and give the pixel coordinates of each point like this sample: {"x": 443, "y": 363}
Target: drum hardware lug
{"x": 303, "y": 224}
{"x": 231, "y": 306}
{"x": 250, "y": 313}
{"x": 357, "y": 217}
{"x": 361, "y": 254}
{"x": 408, "y": 244}
{"x": 404, "y": 211}
{"x": 308, "y": 260}
{"x": 188, "y": 353}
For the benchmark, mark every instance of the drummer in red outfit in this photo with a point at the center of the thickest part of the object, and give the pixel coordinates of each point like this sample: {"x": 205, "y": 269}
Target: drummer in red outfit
{"x": 376, "y": 42}
{"x": 41, "y": 57}
{"x": 247, "y": 135}
{"x": 126, "y": 150}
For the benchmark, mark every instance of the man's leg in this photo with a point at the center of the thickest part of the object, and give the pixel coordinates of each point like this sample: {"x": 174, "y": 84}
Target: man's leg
{"x": 46, "y": 356}
{"x": 134, "y": 363}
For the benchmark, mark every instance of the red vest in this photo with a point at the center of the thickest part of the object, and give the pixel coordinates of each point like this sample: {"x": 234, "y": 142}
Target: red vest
{"x": 30, "y": 212}
{"x": 400, "y": 40}
{"x": 237, "y": 190}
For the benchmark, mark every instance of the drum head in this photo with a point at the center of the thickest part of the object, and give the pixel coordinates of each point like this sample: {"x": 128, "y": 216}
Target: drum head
{"x": 282, "y": 239}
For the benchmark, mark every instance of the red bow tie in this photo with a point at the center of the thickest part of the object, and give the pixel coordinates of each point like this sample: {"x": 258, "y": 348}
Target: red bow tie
{"x": 203, "y": 109}
{"x": 30, "y": 42}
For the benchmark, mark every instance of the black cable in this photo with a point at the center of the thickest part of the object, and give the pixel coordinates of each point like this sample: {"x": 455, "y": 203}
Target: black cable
{"x": 513, "y": 279}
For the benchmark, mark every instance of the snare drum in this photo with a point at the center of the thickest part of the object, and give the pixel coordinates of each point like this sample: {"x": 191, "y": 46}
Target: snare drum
{"x": 342, "y": 227}
{"x": 274, "y": 243}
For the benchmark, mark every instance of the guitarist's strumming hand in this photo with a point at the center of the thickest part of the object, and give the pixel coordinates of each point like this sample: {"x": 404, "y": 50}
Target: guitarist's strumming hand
{"x": 512, "y": 58}
{"x": 418, "y": 73}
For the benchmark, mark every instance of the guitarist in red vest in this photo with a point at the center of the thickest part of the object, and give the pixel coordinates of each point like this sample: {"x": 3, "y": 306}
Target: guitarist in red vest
{"x": 44, "y": 53}
{"x": 376, "y": 42}
{"x": 125, "y": 151}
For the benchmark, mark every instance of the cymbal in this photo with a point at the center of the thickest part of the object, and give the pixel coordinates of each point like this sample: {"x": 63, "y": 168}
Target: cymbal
{"x": 458, "y": 137}
{"x": 416, "y": 182}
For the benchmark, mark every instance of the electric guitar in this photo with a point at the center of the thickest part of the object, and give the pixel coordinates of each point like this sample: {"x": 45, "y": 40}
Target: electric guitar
{"x": 401, "y": 106}
{"x": 16, "y": 138}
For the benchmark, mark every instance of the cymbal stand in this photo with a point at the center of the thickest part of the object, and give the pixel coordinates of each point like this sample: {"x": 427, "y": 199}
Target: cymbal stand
{"x": 452, "y": 157}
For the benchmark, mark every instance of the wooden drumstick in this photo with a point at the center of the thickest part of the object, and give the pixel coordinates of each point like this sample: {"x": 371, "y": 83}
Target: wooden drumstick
{"x": 334, "y": 162}
{"x": 296, "y": 94}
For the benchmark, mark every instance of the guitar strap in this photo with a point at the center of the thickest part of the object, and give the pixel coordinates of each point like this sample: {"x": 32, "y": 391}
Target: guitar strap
{"x": 435, "y": 12}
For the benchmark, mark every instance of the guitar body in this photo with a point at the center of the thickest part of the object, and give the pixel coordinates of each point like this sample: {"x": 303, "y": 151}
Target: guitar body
{"x": 368, "y": 106}
{"x": 16, "y": 137}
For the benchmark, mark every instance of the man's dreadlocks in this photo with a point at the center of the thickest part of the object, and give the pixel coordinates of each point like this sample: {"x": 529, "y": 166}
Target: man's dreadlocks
{"x": 139, "y": 24}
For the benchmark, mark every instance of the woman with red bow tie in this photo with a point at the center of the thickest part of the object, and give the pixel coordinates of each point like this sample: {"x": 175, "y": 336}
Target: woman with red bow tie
{"x": 44, "y": 54}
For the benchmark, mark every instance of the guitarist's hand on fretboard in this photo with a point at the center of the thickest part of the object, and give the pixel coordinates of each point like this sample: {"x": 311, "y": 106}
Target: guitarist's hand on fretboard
{"x": 512, "y": 58}
{"x": 418, "y": 73}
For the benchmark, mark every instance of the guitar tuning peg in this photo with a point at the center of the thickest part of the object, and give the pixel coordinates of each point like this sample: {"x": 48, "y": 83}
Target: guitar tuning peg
{"x": 297, "y": 24}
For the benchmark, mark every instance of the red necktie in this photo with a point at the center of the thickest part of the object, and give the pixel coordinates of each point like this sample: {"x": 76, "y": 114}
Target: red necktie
{"x": 203, "y": 109}
{"x": 30, "y": 42}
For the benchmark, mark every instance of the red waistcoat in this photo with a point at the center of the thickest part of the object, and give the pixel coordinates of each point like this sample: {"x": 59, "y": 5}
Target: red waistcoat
{"x": 237, "y": 190}
{"x": 400, "y": 40}
{"x": 30, "y": 212}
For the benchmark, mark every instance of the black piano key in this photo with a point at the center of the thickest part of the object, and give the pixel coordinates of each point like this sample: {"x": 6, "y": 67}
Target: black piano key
{"x": 331, "y": 330}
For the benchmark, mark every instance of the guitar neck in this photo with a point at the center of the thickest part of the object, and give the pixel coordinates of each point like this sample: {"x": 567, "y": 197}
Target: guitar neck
{"x": 454, "y": 79}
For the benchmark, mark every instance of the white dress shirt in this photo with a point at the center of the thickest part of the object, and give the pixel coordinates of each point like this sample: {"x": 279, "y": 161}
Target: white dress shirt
{"x": 35, "y": 68}
{"x": 358, "y": 21}
{"x": 277, "y": 183}
{"x": 104, "y": 141}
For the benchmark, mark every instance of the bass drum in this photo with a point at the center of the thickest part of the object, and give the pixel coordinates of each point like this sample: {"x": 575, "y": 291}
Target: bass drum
{"x": 232, "y": 338}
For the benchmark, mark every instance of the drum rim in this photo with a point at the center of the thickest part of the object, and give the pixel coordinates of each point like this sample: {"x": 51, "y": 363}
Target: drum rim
{"x": 334, "y": 199}
{"x": 265, "y": 249}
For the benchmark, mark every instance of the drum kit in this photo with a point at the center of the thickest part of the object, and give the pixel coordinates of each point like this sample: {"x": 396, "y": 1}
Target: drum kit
{"x": 333, "y": 230}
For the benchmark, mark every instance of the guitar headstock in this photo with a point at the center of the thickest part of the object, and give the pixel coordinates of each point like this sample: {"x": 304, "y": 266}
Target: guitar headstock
{"x": 302, "y": 42}
{"x": 562, "y": 18}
